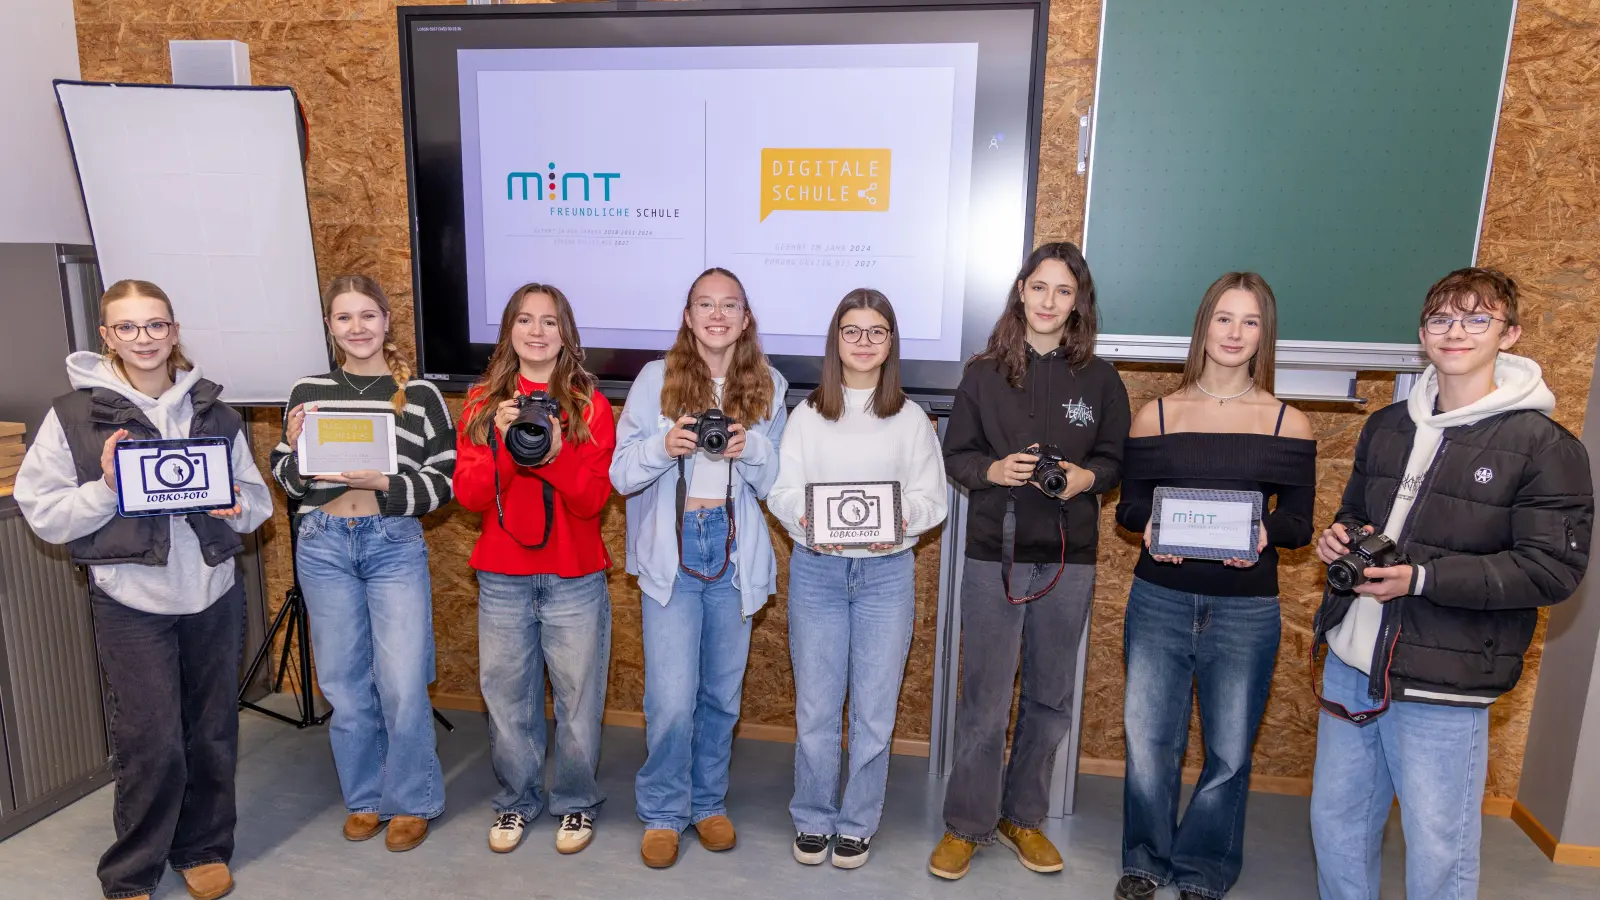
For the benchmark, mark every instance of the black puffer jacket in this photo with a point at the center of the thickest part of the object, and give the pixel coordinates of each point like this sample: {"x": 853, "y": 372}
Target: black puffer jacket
{"x": 1501, "y": 526}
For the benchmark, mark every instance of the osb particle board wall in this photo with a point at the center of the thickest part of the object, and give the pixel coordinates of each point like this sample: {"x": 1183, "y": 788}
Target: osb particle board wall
{"x": 1543, "y": 224}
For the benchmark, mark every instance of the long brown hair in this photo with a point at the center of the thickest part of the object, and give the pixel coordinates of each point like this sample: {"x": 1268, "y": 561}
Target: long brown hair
{"x": 1263, "y": 366}
{"x": 1008, "y": 342}
{"x": 133, "y": 287}
{"x": 888, "y": 397}
{"x": 398, "y": 365}
{"x": 571, "y": 385}
{"x": 687, "y": 389}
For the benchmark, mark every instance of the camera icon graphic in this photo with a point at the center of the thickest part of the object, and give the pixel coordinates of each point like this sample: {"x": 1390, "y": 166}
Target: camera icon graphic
{"x": 174, "y": 470}
{"x": 854, "y": 509}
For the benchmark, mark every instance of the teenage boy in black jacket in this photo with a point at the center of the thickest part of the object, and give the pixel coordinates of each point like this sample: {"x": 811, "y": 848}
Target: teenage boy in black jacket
{"x": 1490, "y": 504}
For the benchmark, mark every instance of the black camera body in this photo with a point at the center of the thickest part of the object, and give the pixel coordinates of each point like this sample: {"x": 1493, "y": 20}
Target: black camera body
{"x": 529, "y": 436}
{"x": 712, "y": 429}
{"x": 1047, "y": 472}
{"x": 1374, "y": 551}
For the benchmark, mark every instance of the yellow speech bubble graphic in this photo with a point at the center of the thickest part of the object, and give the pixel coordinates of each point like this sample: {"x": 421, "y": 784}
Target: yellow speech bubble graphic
{"x": 831, "y": 179}
{"x": 344, "y": 431}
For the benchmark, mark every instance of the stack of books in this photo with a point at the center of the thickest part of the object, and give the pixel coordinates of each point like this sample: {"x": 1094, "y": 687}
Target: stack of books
{"x": 10, "y": 455}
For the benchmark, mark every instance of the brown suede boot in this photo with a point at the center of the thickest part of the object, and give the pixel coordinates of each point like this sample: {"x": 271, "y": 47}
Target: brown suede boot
{"x": 952, "y": 857}
{"x": 361, "y": 826}
{"x": 659, "y": 849}
{"x": 405, "y": 832}
{"x": 1033, "y": 849}
{"x": 716, "y": 833}
{"x": 208, "y": 882}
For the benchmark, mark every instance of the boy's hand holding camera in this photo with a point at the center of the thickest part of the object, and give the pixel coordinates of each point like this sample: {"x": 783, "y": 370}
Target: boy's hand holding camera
{"x": 1384, "y": 582}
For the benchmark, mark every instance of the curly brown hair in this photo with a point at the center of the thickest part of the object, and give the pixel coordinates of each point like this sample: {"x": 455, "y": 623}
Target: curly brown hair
{"x": 688, "y": 390}
{"x": 571, "y": 385}
{"x": 1008, "y": 342}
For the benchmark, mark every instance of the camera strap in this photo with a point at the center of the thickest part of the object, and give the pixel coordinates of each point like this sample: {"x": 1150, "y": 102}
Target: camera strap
{"x": 499, "y": 505}
{"x": 1388, "y": 636}
{"x": 1008, "y": 549}
{"x": 683, "y": 504}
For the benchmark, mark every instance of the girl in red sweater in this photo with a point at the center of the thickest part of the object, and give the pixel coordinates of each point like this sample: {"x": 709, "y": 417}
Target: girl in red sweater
{"x": 542, "y": 596}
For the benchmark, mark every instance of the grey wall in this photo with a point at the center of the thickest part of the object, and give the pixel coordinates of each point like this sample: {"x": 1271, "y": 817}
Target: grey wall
{"x": 33, "y": 333}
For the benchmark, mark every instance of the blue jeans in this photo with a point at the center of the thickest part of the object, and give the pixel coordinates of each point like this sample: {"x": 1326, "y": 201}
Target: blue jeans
{"x": 1171, "y": 641}
{"x": 1435, "y": 758}
{"x": 366, "y": 586}
{"x": 695, "y": 649}
{"x": 528, "y": 624}
{"x": 849, "y": 625}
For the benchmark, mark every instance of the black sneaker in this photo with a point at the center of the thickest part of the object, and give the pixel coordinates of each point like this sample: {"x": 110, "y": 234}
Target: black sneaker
{"x": 1136, "y": 887}
{"x": 1191, "y": 895}
{"x": 850, "y": 852}
{"x": 811, "y": 849}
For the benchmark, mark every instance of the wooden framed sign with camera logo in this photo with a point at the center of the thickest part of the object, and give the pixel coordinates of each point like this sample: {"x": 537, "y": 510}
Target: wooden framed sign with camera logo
{"x": 854, "y": 514}
{"x": 174, "y": 477}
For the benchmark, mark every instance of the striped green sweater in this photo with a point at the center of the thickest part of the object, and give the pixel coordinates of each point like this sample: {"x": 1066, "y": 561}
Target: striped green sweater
{"x": 425, "y": 443}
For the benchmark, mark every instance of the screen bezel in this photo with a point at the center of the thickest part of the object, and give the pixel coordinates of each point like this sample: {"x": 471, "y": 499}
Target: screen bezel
{"x": 802, "y": 372}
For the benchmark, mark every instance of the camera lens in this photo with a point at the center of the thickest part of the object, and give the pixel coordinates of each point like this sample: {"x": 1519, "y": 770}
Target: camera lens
{"x": 528, "y": 438}
{"x": 714, "y": 440}
{"x": 1343, "y": 574}
{"x": 1054, "y": 482}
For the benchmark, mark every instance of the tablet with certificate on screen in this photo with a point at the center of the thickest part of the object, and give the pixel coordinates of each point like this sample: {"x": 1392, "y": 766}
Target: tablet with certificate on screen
{"x": 173, "y": 477}
{"x": 336, "y": 442}
{"x": 854, "y": 514}
{"x": 1206, "y": 524}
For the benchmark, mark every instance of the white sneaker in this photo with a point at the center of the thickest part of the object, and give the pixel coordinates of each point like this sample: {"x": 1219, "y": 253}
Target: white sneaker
{"x": 575, "y": 833}
{"x": 506, "y": 832}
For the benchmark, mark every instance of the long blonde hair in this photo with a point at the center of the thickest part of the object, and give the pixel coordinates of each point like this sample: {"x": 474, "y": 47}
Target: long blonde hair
{"x": 688, "y": 390}
{"x": 571, "y": 385}
{"x": 399, "y": 367}
{"x": 133, "y": 287}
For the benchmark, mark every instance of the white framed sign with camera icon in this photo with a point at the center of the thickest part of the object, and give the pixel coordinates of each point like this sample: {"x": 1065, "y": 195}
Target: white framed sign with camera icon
{"x": 172, "y": 477}
{"x": 335, "y": 442}
{"x": 854, "y": 514}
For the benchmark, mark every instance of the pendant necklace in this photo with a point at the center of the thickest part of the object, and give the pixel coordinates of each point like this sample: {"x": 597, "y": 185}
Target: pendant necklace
{"x": 1231, "y": 397}
{"x": 370, "y": 385}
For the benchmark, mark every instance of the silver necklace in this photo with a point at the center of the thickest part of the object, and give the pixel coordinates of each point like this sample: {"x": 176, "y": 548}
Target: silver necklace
{"x": 1231, "y": 397}
{"x": 361, "y": 391}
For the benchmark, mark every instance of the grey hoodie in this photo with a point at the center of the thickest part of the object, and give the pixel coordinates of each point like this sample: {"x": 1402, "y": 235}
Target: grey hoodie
{"x": 59, "y": 509}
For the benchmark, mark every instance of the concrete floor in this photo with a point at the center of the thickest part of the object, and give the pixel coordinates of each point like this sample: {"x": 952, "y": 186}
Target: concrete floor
{"x": 289, "y": 844}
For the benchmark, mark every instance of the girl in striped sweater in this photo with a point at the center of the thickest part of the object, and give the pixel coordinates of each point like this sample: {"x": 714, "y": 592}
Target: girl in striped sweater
{"x": 363, "y": 567}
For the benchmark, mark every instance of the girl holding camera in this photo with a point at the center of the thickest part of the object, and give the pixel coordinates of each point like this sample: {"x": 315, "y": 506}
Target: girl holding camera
{"x": 699, "y": 545}
{"x": 363, "y": 567}
{"x": 543, "y": 601}
{"x": 1036, "y": 436}
{"x": 851, "y": 609}
{"x": 168, "y": 614}
{"x": 1215, "y": 622}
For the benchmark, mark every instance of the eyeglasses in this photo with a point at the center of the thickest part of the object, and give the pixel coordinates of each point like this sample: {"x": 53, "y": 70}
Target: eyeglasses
{"x": 127, "y": 332}
{"x": 1473, "y": 324}
{"x": 877, "y": 334}
{"x": 705, "y": 308}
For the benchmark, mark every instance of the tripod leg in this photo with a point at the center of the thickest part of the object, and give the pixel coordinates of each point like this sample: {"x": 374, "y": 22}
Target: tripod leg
{"x": 288, "y": 639}
{"x": 266, "y": 648}
{"x": 443, "y": 721}
{"x": 308, "y": 706}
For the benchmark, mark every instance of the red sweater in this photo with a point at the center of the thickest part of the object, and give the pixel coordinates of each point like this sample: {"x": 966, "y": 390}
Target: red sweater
{"x": 581, "y": 477}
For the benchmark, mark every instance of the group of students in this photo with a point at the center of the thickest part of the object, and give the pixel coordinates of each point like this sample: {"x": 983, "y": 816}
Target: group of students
{"x": 1489, "y": 500}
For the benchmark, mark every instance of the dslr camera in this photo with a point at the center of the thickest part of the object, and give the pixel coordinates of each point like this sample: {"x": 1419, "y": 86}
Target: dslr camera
{"x": 854, "y": 509}
{"x": 1372, "y": 551}
{"x": 712, "y": 430}
{"x": 174, "y": 470}
{"x": 1047, "y": 472}
{"x": 529, "y": 435}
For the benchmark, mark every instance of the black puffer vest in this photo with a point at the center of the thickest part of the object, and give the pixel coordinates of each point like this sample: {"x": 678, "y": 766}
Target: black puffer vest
{"x": 90, "y": 416}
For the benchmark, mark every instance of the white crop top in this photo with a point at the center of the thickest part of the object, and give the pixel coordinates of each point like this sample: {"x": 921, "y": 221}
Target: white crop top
{"x": 709, "y": 480}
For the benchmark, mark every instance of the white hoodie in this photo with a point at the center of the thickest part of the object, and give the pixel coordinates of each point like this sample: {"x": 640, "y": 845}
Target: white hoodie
{"x": 1518, "y": 384}
{"x": 59, "y": 509}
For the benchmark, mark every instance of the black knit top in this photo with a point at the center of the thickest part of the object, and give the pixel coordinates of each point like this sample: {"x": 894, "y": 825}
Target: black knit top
{"x": 1285, "y": 468}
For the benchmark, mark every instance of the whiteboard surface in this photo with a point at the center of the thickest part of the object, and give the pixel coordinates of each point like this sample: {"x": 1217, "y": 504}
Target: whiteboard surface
{"x": 201, "y": 191}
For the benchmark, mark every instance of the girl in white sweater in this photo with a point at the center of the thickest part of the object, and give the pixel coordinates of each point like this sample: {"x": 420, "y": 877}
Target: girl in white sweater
{"x": 851, "y": 609}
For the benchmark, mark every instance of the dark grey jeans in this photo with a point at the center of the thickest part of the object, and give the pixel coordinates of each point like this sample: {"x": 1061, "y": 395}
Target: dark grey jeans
{"x": 994, "y": 633}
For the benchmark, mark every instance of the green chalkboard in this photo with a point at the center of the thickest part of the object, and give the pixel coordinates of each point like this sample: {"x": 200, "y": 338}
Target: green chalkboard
{"x": 1338, "y": 148}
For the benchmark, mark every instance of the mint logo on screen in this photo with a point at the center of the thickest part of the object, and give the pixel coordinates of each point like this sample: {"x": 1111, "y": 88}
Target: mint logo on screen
{"x": 554, "y": 185}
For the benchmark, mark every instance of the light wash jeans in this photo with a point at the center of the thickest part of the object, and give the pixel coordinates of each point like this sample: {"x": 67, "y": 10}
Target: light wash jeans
{"x": 695, "y": 649}
{"x": 1435, "y": 758}
{"x": 527, "y": 625}
{"x": 1175, "y": 642}
{"x": 366, "y": 586}
{"x": 849, "y": 627}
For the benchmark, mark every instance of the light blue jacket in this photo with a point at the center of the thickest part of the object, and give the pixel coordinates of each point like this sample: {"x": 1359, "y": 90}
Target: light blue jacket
{"x": 642, "y": 471}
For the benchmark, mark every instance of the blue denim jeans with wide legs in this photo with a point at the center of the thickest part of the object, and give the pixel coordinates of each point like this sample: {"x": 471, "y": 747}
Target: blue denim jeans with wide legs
{"x": 1172, "y": 641}
{"x": 528, "y": 625}
{"x": 695, "y": 649}
{"x": 1435, "y": 758}
{"x": 366, "y": 586}
{"x": 849, "y": 627}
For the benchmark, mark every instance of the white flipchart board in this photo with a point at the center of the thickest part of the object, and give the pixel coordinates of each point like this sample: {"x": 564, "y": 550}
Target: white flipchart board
{"x": 202, "y": 191}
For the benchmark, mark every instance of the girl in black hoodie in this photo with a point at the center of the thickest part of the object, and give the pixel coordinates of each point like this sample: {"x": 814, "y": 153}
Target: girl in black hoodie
{"x": 1036, "y": 437}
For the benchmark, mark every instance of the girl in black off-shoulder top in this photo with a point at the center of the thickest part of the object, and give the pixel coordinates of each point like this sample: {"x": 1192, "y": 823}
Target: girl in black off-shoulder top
{"x": 1207, "y": 628}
